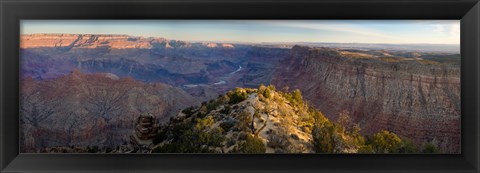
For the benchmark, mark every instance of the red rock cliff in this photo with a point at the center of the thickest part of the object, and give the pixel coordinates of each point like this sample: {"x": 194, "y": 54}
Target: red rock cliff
{"x": 421, "y": 102}
{"x": 83, "y": 41}
{"x": 104, "y": 41}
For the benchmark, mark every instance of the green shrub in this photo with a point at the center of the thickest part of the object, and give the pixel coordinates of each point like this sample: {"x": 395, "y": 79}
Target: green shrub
{"x": 226, "y": 110}
{"x": 245, "y": 121}
{"x": 297, "y": 96}
{"x": 188, "y": 111}
{"x": 323, "y": 138}
{"x": 261, "y": 89}
{"x": 201, "y": 115}
{"x": 386, "y": 142}
{"x": 236, "y": 96}
{"x": 212, "y": 138}
{"x": 252, "y": 145}
{"x": 159, "y": 137}
{"x": 271, "y": 88}
{"x": 227, "y": 125}
{"x": 267, "y": 93}
{"x": 407, "y": 146}
{"x": 203, "y": 134}
{"x": 366, "y": 149}
{"x": 212, "y": 105}
{"x": 198, "y": 136}
{"x": 231, "y": 142}
{"x": 242, "y": 136}
{"x": 430, "y": 148}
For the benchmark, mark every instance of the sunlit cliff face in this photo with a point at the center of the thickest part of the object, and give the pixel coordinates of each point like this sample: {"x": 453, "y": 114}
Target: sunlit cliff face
{"x": 417, "y": 98}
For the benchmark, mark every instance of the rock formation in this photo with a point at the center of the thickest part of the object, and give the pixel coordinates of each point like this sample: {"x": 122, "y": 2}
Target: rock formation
{"x": 415, "y": 100}
{"x": 210, "y": 45}
{"x": 279, "y": 125}
{"x": 111, "y": 41}
{"x": 225, "y": 45}
{"x": 83, "y": 41}
{"x": 145, "y": 129}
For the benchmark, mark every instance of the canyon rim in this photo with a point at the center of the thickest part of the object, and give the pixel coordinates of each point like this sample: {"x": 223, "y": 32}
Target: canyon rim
{"x": 233, "y": 87}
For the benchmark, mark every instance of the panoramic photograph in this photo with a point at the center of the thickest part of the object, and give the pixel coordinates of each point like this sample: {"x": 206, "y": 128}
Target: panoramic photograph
{"x": 240, "y": 86}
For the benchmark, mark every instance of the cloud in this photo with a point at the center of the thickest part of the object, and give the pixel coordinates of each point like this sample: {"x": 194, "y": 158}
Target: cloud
{"x": 333, "y": 27}
{"x": 450, "y": 29}
{"x": 388, "y": 31}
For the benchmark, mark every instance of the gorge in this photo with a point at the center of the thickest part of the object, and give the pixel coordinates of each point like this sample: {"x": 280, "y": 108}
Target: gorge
{"x": 415, "y": 94}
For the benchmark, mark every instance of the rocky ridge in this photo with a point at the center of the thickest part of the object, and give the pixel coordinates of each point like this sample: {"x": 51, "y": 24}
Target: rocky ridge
{"x": 110, "y": 41}
{"x": 242, "y": 117}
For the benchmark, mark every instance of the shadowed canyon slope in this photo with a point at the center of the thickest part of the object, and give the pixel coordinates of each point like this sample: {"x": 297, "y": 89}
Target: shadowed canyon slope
{"x": 91, "y": 109}
{"x": 417, "y": 100}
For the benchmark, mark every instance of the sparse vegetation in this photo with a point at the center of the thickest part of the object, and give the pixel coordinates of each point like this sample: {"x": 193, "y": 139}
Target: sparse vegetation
{"x": 407, "y": 146}
{"x": 188, "y": 111}
{"x": 226, "y": 110}
{"x": 324, "y": 137}
{"x": 205, "y": 135}
{"x": 227, "y": 125}
{"x": 237, "y": 95}
{"x": 366, "y": 149}
{"x": 238, "y": 122}
{"x": 430, "y": 148}
{"x": 159, "y": 137}
{"x": 252, "y": 145}
{"x": 386, "y": 142}
{"x": 200, "y": 137}
{"x": 391, "y": 59}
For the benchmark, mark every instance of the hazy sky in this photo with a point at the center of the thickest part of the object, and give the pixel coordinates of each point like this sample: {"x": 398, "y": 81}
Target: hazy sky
{"x": 341, "y": 31}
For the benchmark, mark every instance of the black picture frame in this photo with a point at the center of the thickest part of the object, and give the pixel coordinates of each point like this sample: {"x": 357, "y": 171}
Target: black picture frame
{"x": 12, "y": 11}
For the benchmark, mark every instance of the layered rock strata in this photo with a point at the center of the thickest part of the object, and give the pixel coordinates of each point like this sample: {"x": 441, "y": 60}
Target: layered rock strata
{"x": 418, "y": 101}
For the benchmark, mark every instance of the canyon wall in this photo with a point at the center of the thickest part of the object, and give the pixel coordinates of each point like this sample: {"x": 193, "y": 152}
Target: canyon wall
{"x": 82, "y": 41}
{"x": 414, "y": 100}
{"x": 114, "y": 41}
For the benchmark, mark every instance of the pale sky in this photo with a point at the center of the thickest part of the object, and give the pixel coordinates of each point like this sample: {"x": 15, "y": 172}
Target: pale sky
{"x": 337, "y": 31}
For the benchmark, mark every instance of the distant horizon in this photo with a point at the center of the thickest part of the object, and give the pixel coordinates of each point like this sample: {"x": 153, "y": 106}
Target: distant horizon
{"x": 263, "y": 31}
{"x": 246, "y": 42}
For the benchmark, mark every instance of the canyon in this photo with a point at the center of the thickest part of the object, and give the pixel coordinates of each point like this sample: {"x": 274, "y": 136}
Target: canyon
{"x": 415, "y": 94}
{"x": 196, "y": 67}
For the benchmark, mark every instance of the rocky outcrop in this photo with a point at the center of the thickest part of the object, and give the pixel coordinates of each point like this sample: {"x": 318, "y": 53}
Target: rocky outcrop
{"x": 226, "y": 45}
{"x": 414, "y": 100}
{"x": 231, "y": 120}
{"x": 144, "y": 131}
{"x": 210, "y": 45}
{"x": 217, "y": 45}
